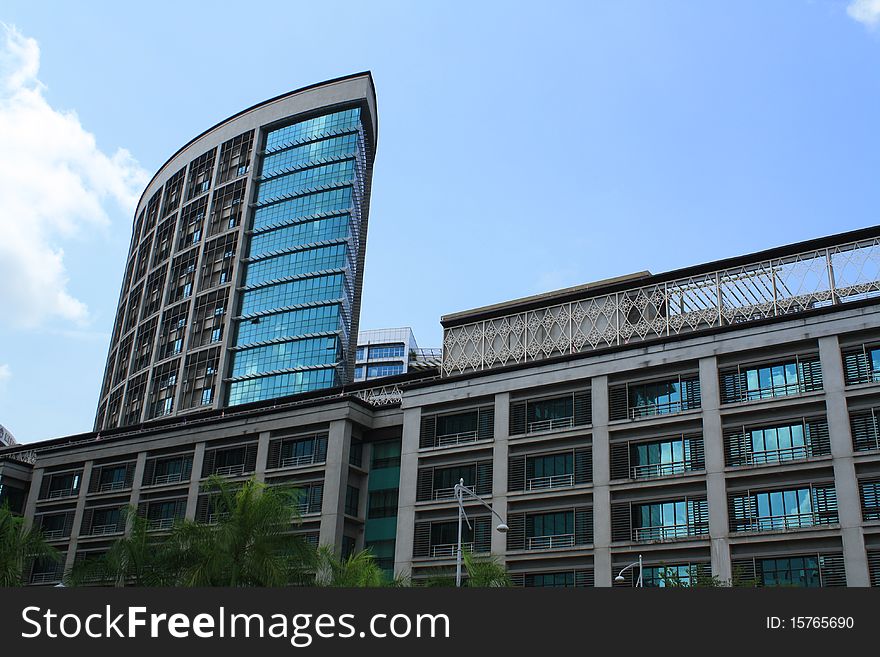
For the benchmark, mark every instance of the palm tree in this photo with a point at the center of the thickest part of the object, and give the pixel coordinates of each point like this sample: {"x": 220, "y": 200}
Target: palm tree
{"x": 359, "y": 570}
{"x": 19, "y": 545}
{"x": 481, "y": 572}
{"x": 137, "y": 559}
{"x": 249, "y": 545}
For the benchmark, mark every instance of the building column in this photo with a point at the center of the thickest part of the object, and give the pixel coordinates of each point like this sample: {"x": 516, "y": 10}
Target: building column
{"x": 845, "y": 481}
{"x": 335, "y": 482}
{"x": 195, "y": 483}
{"x": 262, "y": 456}
{"x": 78, "y": 515}
{"x": 30, "y": 506}
{"x": 716, "y": 487}
{"x": 601, "y": 483}
{"x": 406, "y": 512}
{"x": 499, "y": 470}
{"x": 135, "y": 497}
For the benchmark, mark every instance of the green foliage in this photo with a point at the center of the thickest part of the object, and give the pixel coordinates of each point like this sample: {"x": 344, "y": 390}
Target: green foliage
{"x": 359, "y": 570}
{"x": 19, "y": 546}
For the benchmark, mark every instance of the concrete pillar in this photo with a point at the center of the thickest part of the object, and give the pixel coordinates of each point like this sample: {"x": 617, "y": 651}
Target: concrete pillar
{"x": 262, "y": 456}
{"x": 716, "y": 489}
{"x": 499, "y": 470}
{"x": 406, "y": 514}
{"x": 335, "y": 483}
{"x": 136, "y": 485}
{"x": 601, "y": 481}
{"x": 78, "y": 515}
{"x": 30, "y": 506}
{"x": 845, "y": 481}
{"x": 192, "y": 497}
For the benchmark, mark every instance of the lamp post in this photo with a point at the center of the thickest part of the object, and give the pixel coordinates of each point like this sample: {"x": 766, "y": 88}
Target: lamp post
{"x": 639, "y": 582}
{"x": 460, "y": 491}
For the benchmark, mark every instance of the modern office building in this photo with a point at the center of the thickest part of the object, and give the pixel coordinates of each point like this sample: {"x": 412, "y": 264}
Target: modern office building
{"x": 6, "y": 437}
{"x": 719, "y": 419}
{"x": 244, "y": 274}
{"x": 390, "y": 352}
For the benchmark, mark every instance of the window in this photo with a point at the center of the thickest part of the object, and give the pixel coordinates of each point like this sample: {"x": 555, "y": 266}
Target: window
{"x": 556, "y": 580}
{"x": 792, "y": 376}
{"x": 386, "y": 455}
{"x": 782, "y": 443}
{"x": 780, "y": 510}
{"x": 352, "y": 500}
{"x": 382, "y": 504}
{"x": 444, "y": 538}
{"x": 64, "y": 485}
{"x": 660, "y": 459}
{"x": 171, "y": 470}
{"x": 671, "y": 575}
{"x": 784, "y": 509}
{"x": 112, "y": 478}
{"x": 549, "y": 471}
{"x": 376, "y": 371}
{"x": 384, "y": 351}
{"x": 789, "y": 571}
{"x": 659, "y": 398}
{"x": 301, "y": 452}
{"x": 550, "y": 413}
{"x": 658, "y": 521}
{"x": 445, "y": 479}
{"x": 360, "y": 353}
{"x": 550, "y": 530}
{"x": 359, "y": 372}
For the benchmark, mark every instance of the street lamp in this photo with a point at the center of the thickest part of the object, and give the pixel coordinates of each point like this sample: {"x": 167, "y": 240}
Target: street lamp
{"x": 460, "y": 490}
{"x": 639, "y": 581}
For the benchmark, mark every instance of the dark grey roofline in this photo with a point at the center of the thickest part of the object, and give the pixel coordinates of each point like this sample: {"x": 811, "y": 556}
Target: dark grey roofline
{"x": 615, "y": 285}
{"x": 351, "y": 76}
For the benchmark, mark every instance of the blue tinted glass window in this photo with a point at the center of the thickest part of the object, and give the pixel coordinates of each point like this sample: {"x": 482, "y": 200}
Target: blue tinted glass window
{"x": 334, "y": 200}
{"x": 300, "y": 234}
{"x": 374, "y": 371}
{"x": 333, "y": 174}
{"x": 320, "y": 288}
{"x": 320, "y": 126}
{"x": 294, "y": 264}
{"x": 280, "y": 385}
{"x": 315, "y": 151}
{"x": 319, "y": 319}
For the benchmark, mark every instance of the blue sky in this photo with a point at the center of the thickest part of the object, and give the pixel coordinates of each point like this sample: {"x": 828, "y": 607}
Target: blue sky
{"x": 522, "y": 147}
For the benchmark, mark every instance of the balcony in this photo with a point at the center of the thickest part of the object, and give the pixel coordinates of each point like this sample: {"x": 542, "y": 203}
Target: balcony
{"x": 45, "y": 578}
{"x": 655, "y": 470}
{"x": 53, "y": 534}
{"x": 160, "y": 523}
{"x": 551, "y": 424}
{"x": 293, "y": 461}
{"x": 100, "y": 530}
{"x": 452, "y": 439}
{"x": 785, "y": 522}
{"x": 550, "y": 542}
{"x": 230, "y": 470}
{"x": 665, "y": 532}
{"x": 552, "y": 481}
{"x": 778, "y": 455}
{"x": 449, "y": 549}
{"x": 444, "y": 494}
{"x": 111, "y": 485}
{"x": 170, "y": 478}
{"x": 61, "y": 492}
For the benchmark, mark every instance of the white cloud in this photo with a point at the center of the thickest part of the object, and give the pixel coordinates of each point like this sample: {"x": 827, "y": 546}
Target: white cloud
{"x": 866, "y": 12}
{"x": 55, "y": 184}
{"x": 5, "y": 373}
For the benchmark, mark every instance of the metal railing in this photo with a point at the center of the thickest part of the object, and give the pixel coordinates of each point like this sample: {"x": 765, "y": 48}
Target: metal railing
{"x": 667, "y": 408}
{"x": 551, "y": 424}
{"x": 652, "y": 470}
{"x": 303, "y": 459}
{"x": 664, "y": 532}
{"x": 551, "y": 481}
{"x": 99, "y": 530}
{"x": 230, "y": 470}
{"x": 550, "y": 542}
{"x": 449, "y": 549}
{"x": 451, "y": 439}
{"x": 160, "y": 523}
{"x": 45, "y": 578}
{"x": 63, "y": 492}
{"x": 111, "y": 485}
{"x": 776, "y": 455}
{"x": 763, "y": 288}
{"x": 53, "y": 534}
{"x": 170, "y": 478}
{"x": 784, "y": 522}
{"x": 444, "y": 493}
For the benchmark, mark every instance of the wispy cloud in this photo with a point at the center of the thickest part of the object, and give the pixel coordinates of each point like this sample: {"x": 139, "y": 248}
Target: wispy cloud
{"x": 55, "y": 184}
{"x": 866, "y": 12}
{"x": 5, "y": 373}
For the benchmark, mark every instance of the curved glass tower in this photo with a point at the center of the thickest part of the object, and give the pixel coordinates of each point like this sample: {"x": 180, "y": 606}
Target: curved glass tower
{"x": 244, "y": 274}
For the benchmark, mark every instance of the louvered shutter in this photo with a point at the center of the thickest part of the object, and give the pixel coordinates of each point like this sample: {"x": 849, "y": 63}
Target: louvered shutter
{"x": 869, "y": 491}
{"x": 698, "y": 516}
{"x": 621, "y": 522}
{"x": 697, "y": 453}
{"x": 816, "y": 430}
{"x": 620, "y": 461}
{"x": 743, "y": 572}
{"x": 44, "y": 486}
{"x": 811, "y": 370}
{"x": 832, "y": 570}
{"x": 428, "y": 432}
{"x": 250, "y": 457}
{"x": 422, "y": 539}
{"x": 864, "y": 430}
{"x": 618, "y": 402}
{"x": 321, "y": 449}
{"x": 208, "y": 463}
{"x": 425, "y": 485}
{"x": 482, "y": 534}
{"x": 517, "y": 418}
{"x": 737, "y": 446}
{"x": 95, "y": 480}
{"x": 691, "y": 388}
{"x": 516, "y": 473}
{"x": 484, "y": 478}
{"x": 85, "y": 527}
{"x": 732, "y": 385}
{"x": 486, "y": 427}
{"x": 583, "y": 465}
{"x": 583, "y": 525}
{"x": 583, "y": 408}
{"x": 149, "y": 471}
{"x": 316, "y": 498}
{"x": 584, "y": 578}
{"x": 68, "y": 524}
{"x": 825, "y": 504}
{"x": 518, "y": 579}
{"x": 129, "y": 474}
{"x": 274, "y": 459}
{"x": 741, "y": 511}
{"x": 179, "y": 509}
{"x": 856, "y": 367}
{"x": 874, "y": 566}
{"x": 203, "y": 508}
{"x": 516, "y": 533}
